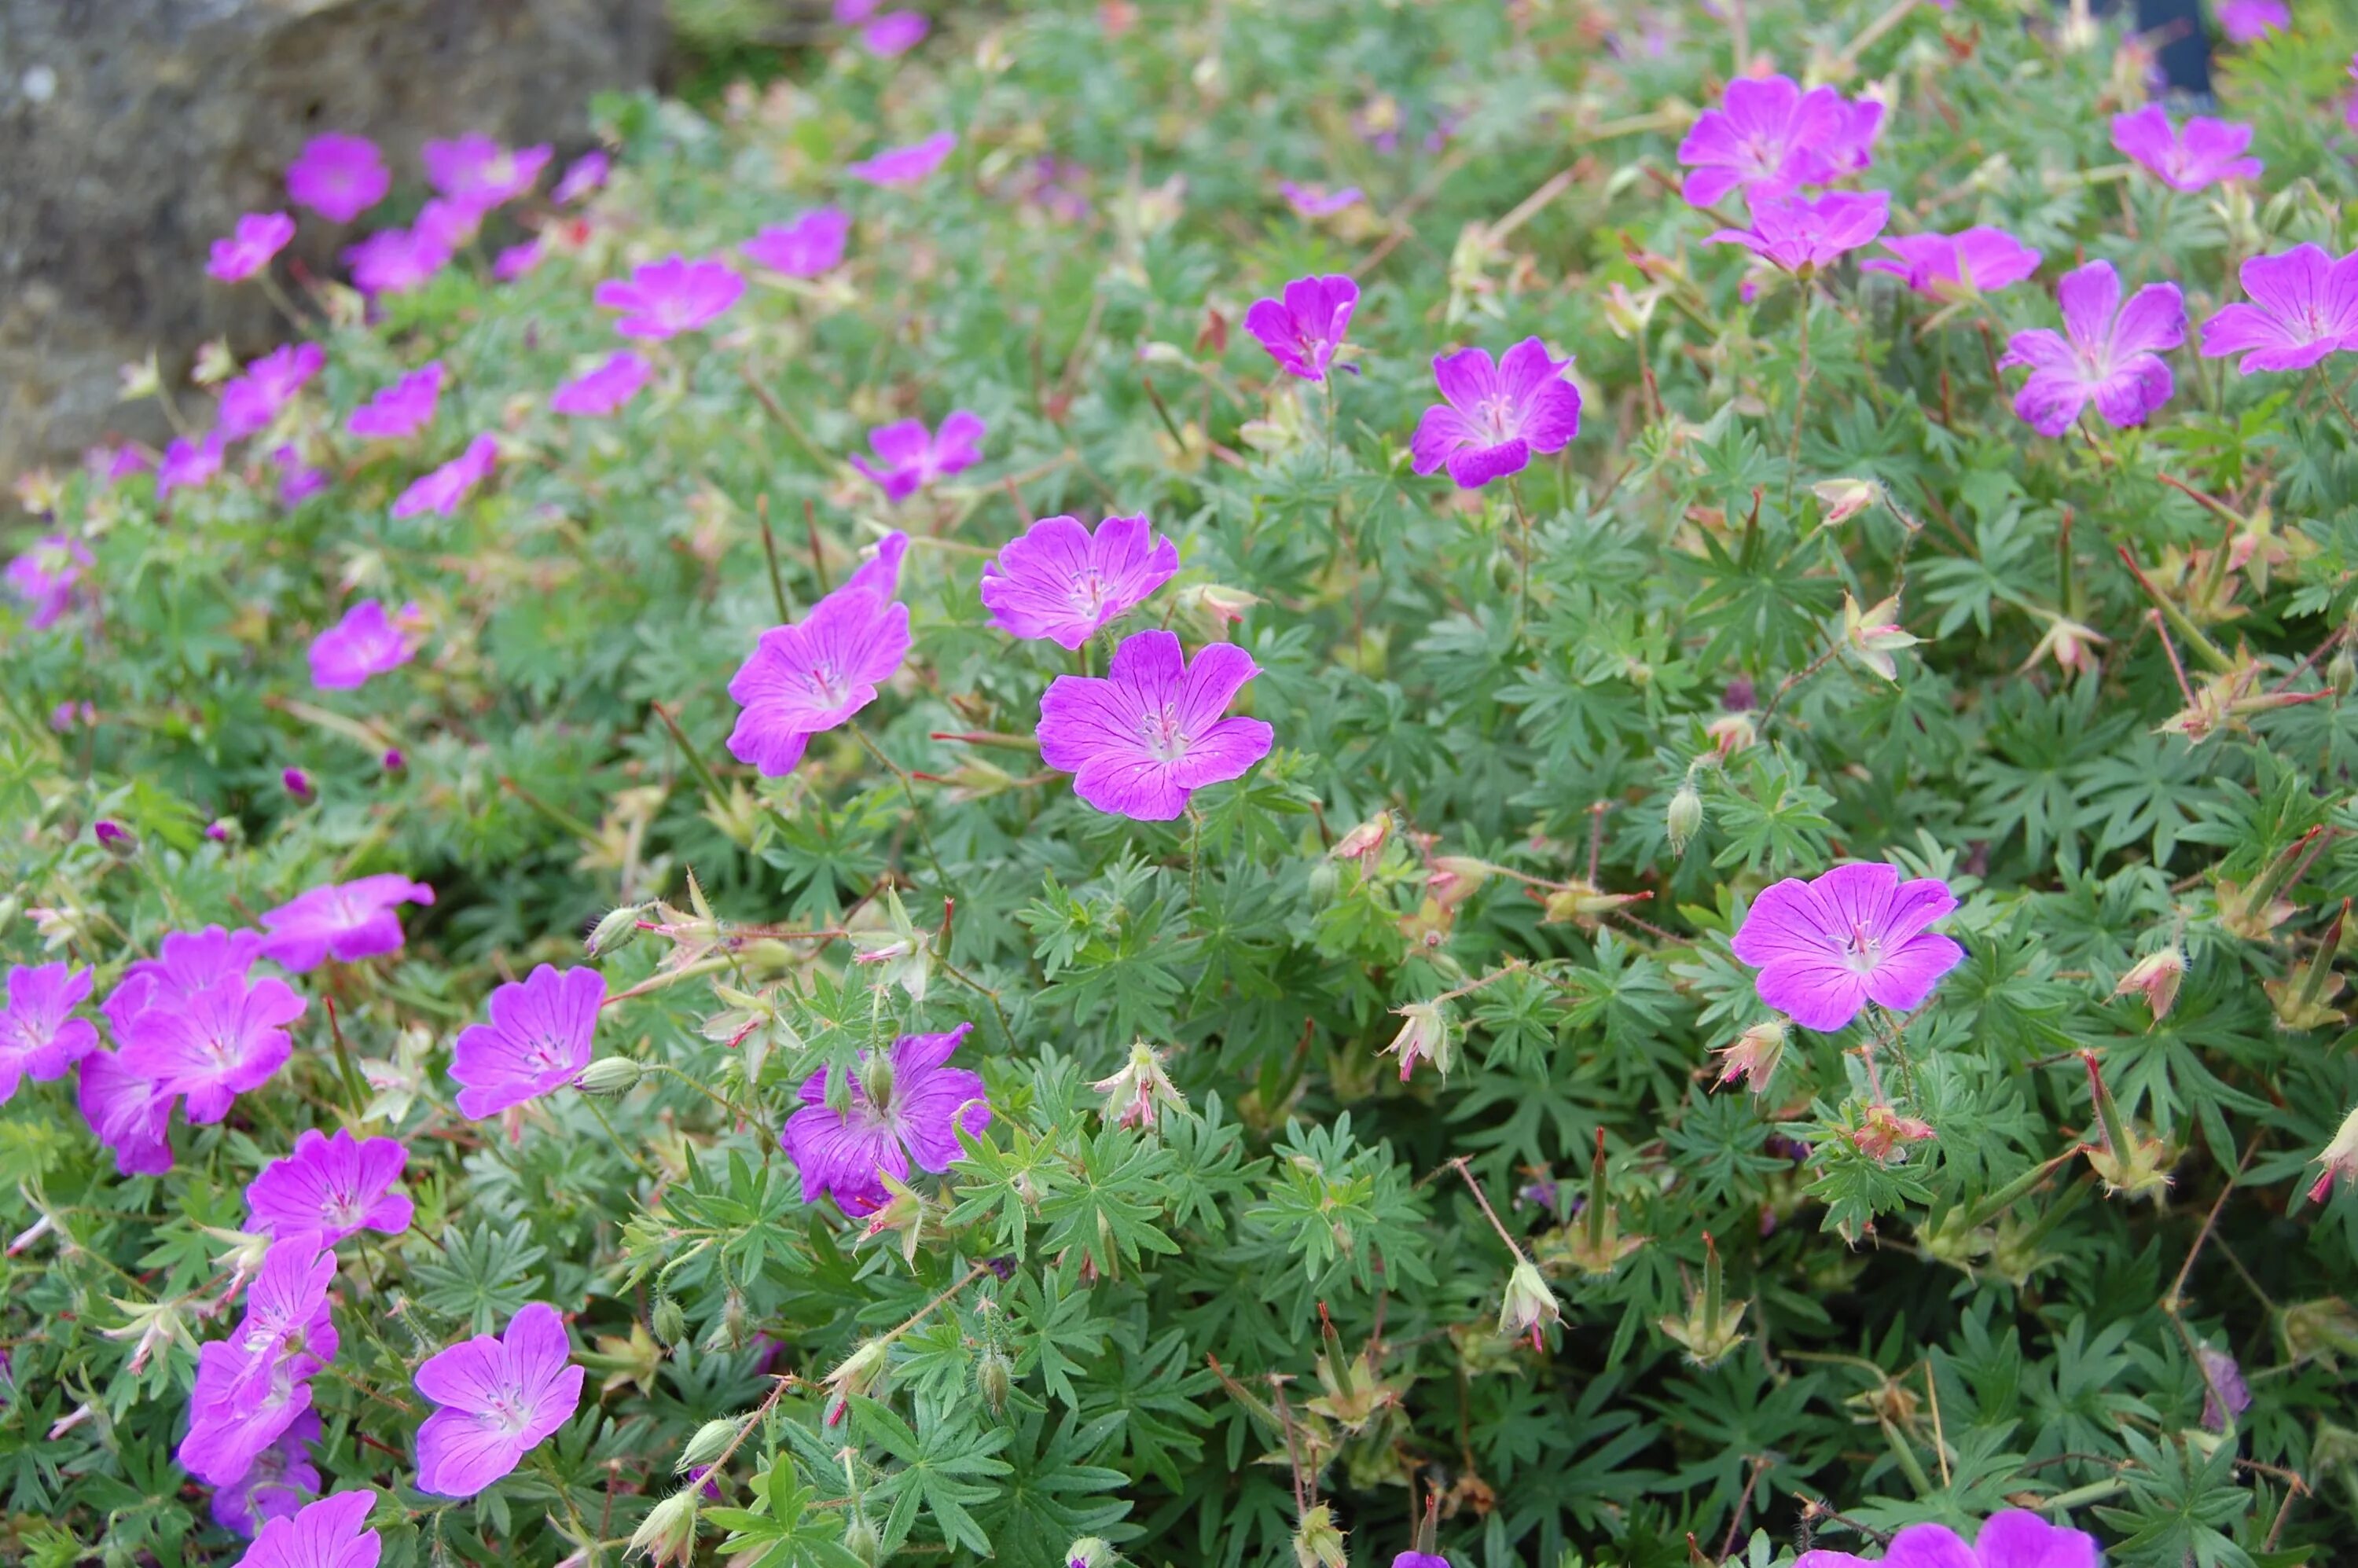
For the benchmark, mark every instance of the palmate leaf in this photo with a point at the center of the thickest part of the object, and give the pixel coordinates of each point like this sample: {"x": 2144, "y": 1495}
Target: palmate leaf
{"x": 946, "y": 1468}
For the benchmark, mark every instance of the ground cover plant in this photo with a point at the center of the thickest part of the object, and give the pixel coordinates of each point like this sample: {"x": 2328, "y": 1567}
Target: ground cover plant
{"x": 1353, "y": 781}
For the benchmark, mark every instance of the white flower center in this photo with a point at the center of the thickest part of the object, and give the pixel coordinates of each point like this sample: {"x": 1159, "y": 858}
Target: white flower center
{"x": 1165, "y": 742}
{"x": 1862, "y": 954}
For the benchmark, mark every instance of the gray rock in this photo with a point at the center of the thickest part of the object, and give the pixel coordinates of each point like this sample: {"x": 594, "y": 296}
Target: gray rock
{"x": 134, "y": 132}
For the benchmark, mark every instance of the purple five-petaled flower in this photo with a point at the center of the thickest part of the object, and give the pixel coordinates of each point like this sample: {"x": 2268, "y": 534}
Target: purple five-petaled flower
{"x": 814, "y": 673}
{"x": 333, "y": 1185}
{"x": 585, "y": 176}
{"x": 250, "y": 402}
{"x": 39, "y": 1035}
{"x": 1828, "y": 947}
{"x": 894, "y": 33}
{"x": 2249, "y": 21}
{"x": 367, "y": 641}
{"x": 2203, "y": 153}
{"x": 338, "y": 176}
{"x": 1316, "y": 200}
{"x": 394, "y": 260}
{"x": 44, "y": 578}
{"x": 344, "y": 921}
{"x": 1494, "y": 417}
{"x": 276, "y": 1484}
{"x": 808, "y": 247}
{"x": 1806, "y": 235}
{"x": 255, "y": 1385}
{"x": 2303, "y": 307}
{"x": 257, "y": 237}
{"x": 497, "y": 1398}
{"x": 665, "y": 298}
{"x": 442, "y": 490}
{"x": 188, "y": 465}
{"x": 1770, "y": 138}
{"x": 2108, "y": 354}
{"x": 1153, "y": 728}
{"x": 597, "y": 392}
{"x": 402, "y": 409}
{"x": 2012, "y": 1539}
{"x": 330, "y": 1533}
{"x": 479, "y": 172}
{"x": 538, "y": 1041}
{"x": 216, "y": 1044}
{"x": 1952, "y": 267}
{"x": 906, "y": 1107}
{"x": 905, "y": 166}
{"x": 908, "y": 459}
{"x": 1061, "y": 582}
{"x": 1304, "y": 326}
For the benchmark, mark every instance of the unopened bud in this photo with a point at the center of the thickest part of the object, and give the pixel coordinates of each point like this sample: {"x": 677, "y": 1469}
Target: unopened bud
{"x": 857, "y": 1376}
{"x": 2342, "y": 673}
{"x": 669, "y": 1321}
{"x": 667, "y": 1535}
{"x": 994, "y": 1378}
{"x": 1216, "y": 603}
{"x": 859, "y": 1539}
{"x": 616, "y": 930}
{"x": 1318, "y": 1541}
{"x": 298, "y": 784}
{"x": 115, "y": 839}
{"x": 1089, "y": 1551}
{"x": 609, "y": 1075}
{"x": 1684, "y": 818}
{"x": 712, "y": 1440}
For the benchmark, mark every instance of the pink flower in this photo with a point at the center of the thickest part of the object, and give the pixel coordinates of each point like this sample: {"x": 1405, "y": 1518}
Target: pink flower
{"x": 815, "y": 672}
{"x": 1303, "y": 329}
{"x": 851, "y": 13}
{"x": 344, "y": 921}
{"x": 477, "y": 171}
{"x": 39, "y": 1036}
{"x": 587, "y": 176}
{"x": 1804, "y": 235}
{"x": 599, "y": 392}
{"x": 1494, "y": 417}
{"x": 498, "y": 1399}
{"x": 2249, "y": 21}
{"x": 517, "y": 260}
{"x": 255, "y": 1385}
{"x": 127, "y": 1113}
{"x": 1952, "y": 266}
{"x": 216, "y": 1044}
{"x": 2304, "y": 306}
{"x": 252, "y": 401}
{"x": 2012, "y": 1539}
{"x": 906, "y": 1105}
{"x": 911, "y": 459}
{"x": 274, "y": 1487}
{"x": 298, "y": 481}
{"x": 895, "y": 33}
{"x": 667, "y": 298}
{"x": 2106, "y": 354}
{"x": 1316, "y": 200}
{"x": 449, "y": 222}
{"x": 1140, "y": 740}
{"x": 905, "y": 166}
{"x": 329, "y": 1533}
{"x": 1827, "y": 947}
{"x": 2206, "y": 152}
{"x": 333, "y": 1185}
{"x": 442, "y": 490}
{"x": 338, "y": 176}
{"x": 402, "y": 409}
{"x": 188, "y": 465}
{"x": 1060, "y": 582}
{"x": 810, "y": 245}
{"x": 394, "y": 260}
{"x": 537, "y": 1041}
{"x": 257, "y": 237}
{"x": 44, "y": 578}
{"x": 367, "y": 642}
{"x": 1770, "y": 138}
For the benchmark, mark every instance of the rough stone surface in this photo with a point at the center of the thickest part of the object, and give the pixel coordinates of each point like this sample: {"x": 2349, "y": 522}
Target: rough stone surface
{"x": 134, "y": 132}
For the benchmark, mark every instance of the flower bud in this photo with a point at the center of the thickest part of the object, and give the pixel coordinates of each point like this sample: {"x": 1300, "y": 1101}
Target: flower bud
{"x": 615, "y": 930}
{"x": 2339, "y": 1161}
{"x": 2157, "y": 974}
{"x": 669, "y": 1321}
{"x": 667, "y": 1535}
{"x": 859, "y": 1375}
{"x": 1528, "y": 1306}
{"x": 609, "y": 1075}
{"x": 115, "y": 839}
{"x": 1684, "y": 818}
{"x": 1425, "y": 1036}
{"x": 1732, "y": 732}
{"x": 859, "y": 1539}
{"x": 1318, "y": 1541}
{"x": 1089, "y": 1551}
{"x": 1215, "y": 603}
{"x": 2342, "y": 672}
{"x": 712, "y": 1440}
{"x": 394, "y": 762}
{"x": 994, "y": 1378}
{"x": 1846, "y": 498}
{"x": 2322, "y": 1330}
{"x": 298, "y": 784}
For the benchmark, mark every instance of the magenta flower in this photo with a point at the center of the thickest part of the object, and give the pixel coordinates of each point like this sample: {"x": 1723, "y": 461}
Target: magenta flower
{"x": 809, "y": 246}
{"x": 2106, "y": 354}
{"x": 537, "y": 1041}
{"x": 1826, "y": 948}
{"x": 517, "y": 260}
{"x": 895, "y": 33}
{"x": 814, "y": 673}
{"x": 402, "y": 409}
{"x": 257, "y": 237}
{"x": 216, "y": 1044}
{"x": 905, "y": 166}
{"x": 2206, "y": 152}
{"x": 1316, "y": 201}
{"x": 394, "y": 260}
{"x": 907, "y": 1106}
{"x": 1952, "y": 267}
{"x": 851, "y": 13}
{"x": 298, "y": 481}
{"x": 333, "y": 1185}
{"x": 367, "y": 641}
{"x": 479, "y": 172}
{"x": 255, "y": 1385}
{"x": 498, "y": 1399}
{"x": 250, "y": 402}
{"x": 2013, "y": 1539}
{"x": 597, "y": 392}
{"x": 908, "y": 459}
{"x": 188, "y": 465}
{"x": 344, "y": 921}
{"x": 2304, "y": 306}
{"x": 338, "y": 176}
{"x": 880, "y": 573}
{"x": 186, "y": 962}
{"x": 442, "y": 490}
{"x": 449, "y": 222}
{"x": 127, "y": 1113}
{"x": 1805, "y": 234}
{"x": 297, "y": 783}
{"x": 1494, "y": 417}
{"x": 1152, "y": 730}
{"x": 1303, "y": 328}
{"x": 330, "y": 1533}
{"x": 1770, "y": 138}
{"x": 585, "y": 176}
{"x": 2249, "y": 21}
{"x": 275, "y": 1485}
{"x": 670, "y": 296}
{"x": 39, "y": 1036}
{"x": 1060, "y": 582}
{"x": 45, "y": 576}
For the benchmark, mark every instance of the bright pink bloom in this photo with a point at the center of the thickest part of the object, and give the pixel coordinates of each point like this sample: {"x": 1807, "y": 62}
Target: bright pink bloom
{"x": 1316, "y": 200}
{"x": 218, "y": 1043}
{"x": 2304, "y": 306}
{"x": 537, "y": 1041}
{"x": 2105, "y": 354}
{"x": 479, "y": 172}
{"x": 895, "y": 33}
{"x": 281, "y": 1478}
{"x": 1950, "y": 266}
{"x": 908, "y": 459}
{"x": 250, "y": 402}
{"x": 1494, "y": 417}
{"x": 1770, "y": 138}
{"x": 1303, "y": 328}
{"x": 127, "y": 1113}
{"x": 809, "y": 246}
{"x": 2249, "y": 21}
{"x": 667, "y": 298}
{"x": 186, "y": 962}
{"x": 333, "y": 1185}
{"x": 498, "y": 1399}
{"x": 443, "y": 490}
{"x": 257, "y": 237}
{"x": 2012, "y": 1539}
{"x": 188, "y": 465}
{"x": 338, "y": 176}
{"x": 329, "y": 1533}
{"x": 597, "y": 392}
{"x": 907, "y": 1106}
{"x": 1827, "y": 947}
{"x": 2206, "y": 152}
{"x": 1153, "y": 730}
{"x": 1806, "y": 235}
{"x": 1061, "y": 582}
{"x": 402, "y": 409}
{"x": 344, "y": 921}
{"x": 517, "y": 260}
{"x": 586, "y": 174}
{"x": 851, "y": 13}
{"x": 905, "y": 166}
{"x": 394, "y": 260}
{"x": 449, "y": 222}
{"x": 814, "y": 673}
{"x": 44, "y": 578}
{"x": 255, "y": 1385}
{"x": 39, "y": 1035}
{"x": 298, "y": 481}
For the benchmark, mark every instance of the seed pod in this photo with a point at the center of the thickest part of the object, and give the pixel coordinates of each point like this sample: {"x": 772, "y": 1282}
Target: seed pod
{"x": 995, "y": 1378}
{"x": 670, "y": 1323}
